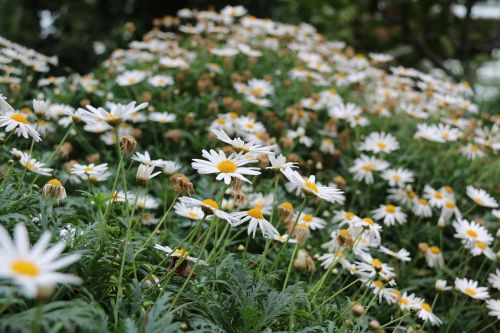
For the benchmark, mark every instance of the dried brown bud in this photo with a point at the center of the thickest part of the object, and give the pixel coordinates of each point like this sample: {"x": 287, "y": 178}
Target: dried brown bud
{"x": 94, "y": 158}
{"x": 301, "y": 231}
{"x": 128, "y": 144}
{"x": 340, "y": 181}
{"x": 285, "y": 211}
{"x": 374, "y": 324}
{"x": 358, "y": 309}
{"x": 65, "y": 150}
{"x": 173, "y": 135}
{"x": 304, "y": 262}
{"x": 181, "y": 184}
{"x": 344, "y": 238}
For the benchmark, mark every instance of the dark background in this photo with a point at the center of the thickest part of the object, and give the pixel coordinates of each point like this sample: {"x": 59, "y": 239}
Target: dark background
{"x": 411, "y": 30}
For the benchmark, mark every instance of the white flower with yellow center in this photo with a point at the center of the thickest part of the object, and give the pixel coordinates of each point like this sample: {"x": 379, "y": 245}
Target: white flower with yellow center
{"x": 19, "y": 123}
{"x": 225, "y": 167}
{"x": 146, "y": 159}
{"x": 390, "y": 214}
{"x": 494, "y": 306}
{"x": 481, "y": 197}
{"x": 192, "y": 213}
{"x": 472, "y": 151}
{"x": 162, "y": 117}
{"x": 180, "y": 253}
{"x": 345, "y": 217}
{"x": 471, "y": 232}
{"x": 241, "y": 146}
{"x": 471, "y": 288}
{"x": 436, "y": 198}
{"x": 145, "y": 173}
{"x": 34, "y": 269}
{"x": 398, "y": 177}
{"x": 209, "y": 207}
{"x": 373, "y": 266}
{"x": 379, "y": 142}
{"x": 441, "y": 285}
{"x": 280, "y": 163}
{"x": 312, "y": 222}
{"x": 308, "y": 186}
{"x": 494, "y": 279}
{"x": 130, "y": 78}
{"x": 255, "y": 217}
{"x": 117, "y": 114}
{"x": 421, "y": 207}
{"x": 364, "y": 167}
{"x": 402, "y": 254}
{"x": 32, "y": 165}
{"x": 92, "y": 172}
{"x": 434, "y": 256}
{"x": 479, "y": 248}
{"x": 425, "y": 313}
{"x": 161, "y": 80}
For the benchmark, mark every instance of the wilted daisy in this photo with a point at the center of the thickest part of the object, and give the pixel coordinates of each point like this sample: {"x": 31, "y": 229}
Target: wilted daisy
{"x": 255, "y": 218}
{"x": 309, "y": 186}
{"x": 481, "y": 197}
{"x": 434, "y": 257}
{"x": 34, "y": 269}
{"x": 421, "y": 207}
{"x": 364, "y": 167}
{"x": 471, "y": 288}
{"x": 225, "y": 167}
{"x": 54, "y": 189}
{"x": 180, "y": 253}
{"x": 390, "y": 214}
{"x": 398, "y": 177}
{"x": 32, "y": 165}
{"x": 19, "y": 123}
{"x": 379, "y": 142}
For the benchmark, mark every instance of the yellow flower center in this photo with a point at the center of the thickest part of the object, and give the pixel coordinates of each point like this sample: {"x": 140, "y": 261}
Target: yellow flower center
{"x": 396, "y": 177}
{"x": 470, "y": 292}
{"x": 88, "y": 169}
{"x": 221, "y": 121}
{"x": 426, "y": 307}
{"x": 344, "y": 232}
{"x": 307, "y": 218}
{"x": 471, "y": 233}
{"x": 481, "y": 245}
{"x": 349, "y": 215}
{"x": 29, "y": 166}
{"x": 438, "y": 195}
{"x": 404, "y": 301}
{"x": 435, "y": 250}
{"x": 256, "y": 213}
{"x": 378, "y": 283}
{"x": 423, "y": 201}
{"x": 382, "y": 145}
{"x": 286, "y": 205}
{"x": 376, "y": 263}
{"x": 311, "y": 186}
{"x": 227, "y": 166}
{"x": 450, "y": 204}
{"x": 479, "y": 200}
{"x": 19, "y": 118}
{"x": 181, "y": 252}
{"x": 192, "y": 215}
{"x": 448, "y": 189}
{"x": 211, "y": 203}
{"x": 54, "y": 182}
{"x": 474, "y": 148}
{"x": 368, "y": 220}
{"x": 257, "y": 91}
{"x": 423, "y": 246}
{"x": 368, "y": 167}
{"x": 24, "y": 267}
{"x": 390, "y": 209}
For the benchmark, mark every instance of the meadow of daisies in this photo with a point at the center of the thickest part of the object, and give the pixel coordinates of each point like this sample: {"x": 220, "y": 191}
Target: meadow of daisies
{"x": 234, "y": 174}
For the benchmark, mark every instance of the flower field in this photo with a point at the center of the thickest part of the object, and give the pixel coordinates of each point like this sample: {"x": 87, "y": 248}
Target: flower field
{"x": 234, "y": 174}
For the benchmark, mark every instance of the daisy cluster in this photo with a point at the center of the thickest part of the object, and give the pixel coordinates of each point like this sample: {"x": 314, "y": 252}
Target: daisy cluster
{"x": 230, "y": 137}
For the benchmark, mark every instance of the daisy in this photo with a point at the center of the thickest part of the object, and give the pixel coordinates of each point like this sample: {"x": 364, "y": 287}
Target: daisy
{"x": 32, "y": 165}
{"x": 35, "y": 268}
{"x": 472, "y": 151}
{"x": 4, "y": 106}
{"x": 373, "y": 266}
{"x": 91, "y": 171}
{"x": 312, "y": 221}
{"x": 345, "y": 217}
{"x": 144, "y": 201}
{"x": 225, "y": 167}
{"x": 161, "y": 80}
{"x": 380, "y": 290}
{"x": 162, "y": 117}
{"x": 441, "y": 285}
{"x": 425, "y": 313}
{"x": 449, "y": 210}
{"x": 145, "y": 173}
{"x": 494, "y": 306}
{"x": 481, "y": 197}
{"x": 209, "y": 207}
{"x": 130, "y": 78}
{"x": 241, "y": 146}
{"x": 146, "y": 159}
{"x": 434, "y": 257}
{"x": 494, "y": 279}
{"x": 402, "y": 254}
{"x": 390, "y": 214}
{"x": 170, "y": 167}
{"x": 398, "y": 177}
{"x": 364, "y": 167}
{"x": 309, "y": 186}
{"x": 179, "y": 253}
{"x": 115, "y": 116}
{"x": 256, "y": 218}
{"x": 379, "y": 142}
{"x": 479, "y": 248}
{"x": 421, "y": 207}
{"x": 471, "y": 232}
{"x": 148, "y": 219}
{"x": 436, "y": 198}
{"x": 408, "y": 302}
{"x": 20, "y": 124}
{"x": 192, "y": 213}
{"x": 471, "y": 288}
{"x": 280, "y": 163}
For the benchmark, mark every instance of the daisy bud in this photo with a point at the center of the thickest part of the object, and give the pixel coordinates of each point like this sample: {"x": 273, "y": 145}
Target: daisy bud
{"x": 285, "y": 211}
{"x": 146, "y": 96}
{"x": 94, "y": 158}
{"x": 441, "y": 222}
{"x": 181, "y": 184}
{"x": 358, "y": 309}
{"x": 340, "y": 181}
{"x": 374, "y": 324}
{"x": 65, "y": 150}
{"x": 54, "y": 189}
{"x": 128, "y": 144}
{"x": 304, "y": 262}
{"x": 44, "y": 293}
{"x": 173, "y": 135}
{"x": 241, "y": 247}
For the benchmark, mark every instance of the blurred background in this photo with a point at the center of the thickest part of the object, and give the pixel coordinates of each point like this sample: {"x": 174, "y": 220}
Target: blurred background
{"x": 459, "y": 38}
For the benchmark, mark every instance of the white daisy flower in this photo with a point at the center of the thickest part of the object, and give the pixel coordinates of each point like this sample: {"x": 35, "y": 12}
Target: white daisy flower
{"x": 309, "y": 186}
{"x": 280, "y": 163}
{"x": 115, "y": 116}
{"x": 241, "y": 146}
{"x": 425, "y": 313}
{"x": 312, "y": 222}
{"x": 130, "y": 78}
{"x": 421, "y": 207}
{"x": 256, "y": 218}
{"x": 402, "y": 254}
{"x": 494, "y": 279}
{"x": 390, "y": 214}
{"x": 19, "y": 123}
{"x": 180, "y": 253}
{"x": 471, "y": 288}
{"x": 161, "y": 80}
{"x": 225, "y": 167}
{"x": 364, "y": 167}
{"x": 379, "y": 142}
{"x": 34, "y": 269}
{"x": 209, "y": 207}
{"x": 398, "y": 177}
{"x": 481, "y": 197}
{"x": 32, "y": 165}
{"x": 91, "y": 171}
{"x": 441, "y": 285}
{"x": 494, "y": 306}
{"x": 145, "y": 173}
{"x": 471, "y": 232}
{"x": 146, "y": 159}
{"x": 434, "y": 257}
{"x": 192, "y": 213}
{"x": 162, "y": 117}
